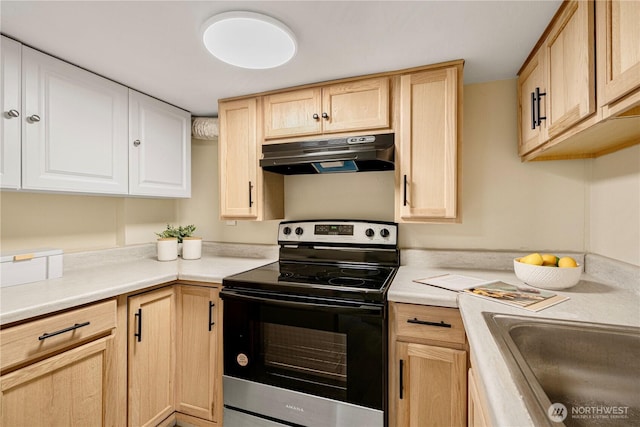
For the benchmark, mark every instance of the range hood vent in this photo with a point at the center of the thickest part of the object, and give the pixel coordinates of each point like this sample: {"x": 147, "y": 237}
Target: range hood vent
{"x": 353, "y": 154}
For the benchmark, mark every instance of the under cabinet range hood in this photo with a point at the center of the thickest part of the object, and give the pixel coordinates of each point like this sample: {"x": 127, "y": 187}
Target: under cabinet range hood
{"x": 364, "y": 153}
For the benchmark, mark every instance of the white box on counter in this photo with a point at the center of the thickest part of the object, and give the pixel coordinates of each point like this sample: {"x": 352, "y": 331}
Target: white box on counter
{"x": 26, "y": 266}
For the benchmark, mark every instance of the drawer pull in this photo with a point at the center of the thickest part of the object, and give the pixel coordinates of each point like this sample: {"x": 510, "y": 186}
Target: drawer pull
{"x": 424, "y": 322}
{"x": 62, "y": 331}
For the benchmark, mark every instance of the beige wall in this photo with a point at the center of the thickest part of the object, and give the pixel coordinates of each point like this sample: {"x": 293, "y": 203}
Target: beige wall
{"x": 614, "y": 205}
{"x": 506, "y": 204}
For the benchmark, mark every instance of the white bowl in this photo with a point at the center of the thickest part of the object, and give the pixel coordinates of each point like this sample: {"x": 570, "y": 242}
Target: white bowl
{"x": 545, "y": 277}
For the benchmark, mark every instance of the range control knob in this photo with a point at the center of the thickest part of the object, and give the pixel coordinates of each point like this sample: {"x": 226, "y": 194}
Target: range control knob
{"x": 299, "y": 231}
{"x": 384, "y": 233}
{"x": 286, "y": 231}
{"x": 369, "y": 232}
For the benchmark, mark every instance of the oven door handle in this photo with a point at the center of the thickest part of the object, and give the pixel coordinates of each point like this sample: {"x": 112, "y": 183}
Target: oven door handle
{"x": 362, "y": 309}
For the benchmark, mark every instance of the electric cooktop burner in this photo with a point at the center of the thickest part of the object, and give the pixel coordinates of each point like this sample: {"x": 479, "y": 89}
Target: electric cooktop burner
{"x": 335, "y": 275}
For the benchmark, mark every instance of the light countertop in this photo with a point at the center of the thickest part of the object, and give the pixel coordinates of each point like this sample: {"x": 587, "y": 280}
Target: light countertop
{"x": 591, "y": 300}
{"x": 97, "y": 281}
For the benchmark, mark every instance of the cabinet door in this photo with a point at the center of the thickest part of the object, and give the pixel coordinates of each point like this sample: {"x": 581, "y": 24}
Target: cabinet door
{"x": 428, "y": 145}
{"x": 70, "y": 389}
{"x": 294, "y": 113}
{"x": 151, "y": 357}
{"x": 159, "y": 148}
{"x": 199, "y": 374}
{"x": 238, "y": 158}
{"x": 432, "y": 387}
{"x": 531, "y": 105}
{"x": 10, "y": 122}
{"x": 74, "y": 129}
{"x": 477, "y": 413}
{"x": 570, "y": 64}
{"x": 358, "y": 105}
{"x": 618, "y": 38}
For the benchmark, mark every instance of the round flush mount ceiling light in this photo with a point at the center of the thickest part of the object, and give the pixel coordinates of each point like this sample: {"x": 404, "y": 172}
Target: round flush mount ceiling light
{"x": 248, "y": 40}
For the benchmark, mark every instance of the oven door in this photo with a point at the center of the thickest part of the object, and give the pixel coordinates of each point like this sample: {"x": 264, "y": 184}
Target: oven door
{"x": 335, "y": 350}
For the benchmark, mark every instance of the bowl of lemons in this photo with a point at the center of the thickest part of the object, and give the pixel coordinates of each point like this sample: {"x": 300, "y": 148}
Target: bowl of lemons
{"x": 547, "y": 271}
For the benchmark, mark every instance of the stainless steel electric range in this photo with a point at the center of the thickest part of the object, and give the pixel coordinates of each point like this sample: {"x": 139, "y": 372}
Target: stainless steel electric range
{"x": 305, "y": 338}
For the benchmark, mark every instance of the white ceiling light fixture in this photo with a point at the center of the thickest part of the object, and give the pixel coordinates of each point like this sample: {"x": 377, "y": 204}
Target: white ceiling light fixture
{"x": 249, "y": 40}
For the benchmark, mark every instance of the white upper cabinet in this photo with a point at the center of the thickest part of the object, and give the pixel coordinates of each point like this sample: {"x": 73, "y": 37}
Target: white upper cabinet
{"x": 10, "y": 53}
{"x": 159, "y": 148}
{"x": 74, "y": 128}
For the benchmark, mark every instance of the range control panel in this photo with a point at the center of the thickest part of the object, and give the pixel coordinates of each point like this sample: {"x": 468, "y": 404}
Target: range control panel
{"x": 339, "y": 232}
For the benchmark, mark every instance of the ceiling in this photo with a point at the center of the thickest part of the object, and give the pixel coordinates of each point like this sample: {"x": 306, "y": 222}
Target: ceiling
{"x": 155, "y": 46}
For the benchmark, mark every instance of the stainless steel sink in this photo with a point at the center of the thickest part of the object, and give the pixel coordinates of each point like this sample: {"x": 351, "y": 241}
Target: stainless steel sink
{"x": 592, "y": 369}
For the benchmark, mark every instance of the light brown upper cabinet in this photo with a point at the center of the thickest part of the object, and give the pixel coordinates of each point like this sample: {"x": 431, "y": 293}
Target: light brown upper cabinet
{"x": 342, "y": 107}
{"x": 618, "y": 44}
{"x": 246, "y": 192}
{"x": 427, "y": 145}
{"x": 564, "y": 113}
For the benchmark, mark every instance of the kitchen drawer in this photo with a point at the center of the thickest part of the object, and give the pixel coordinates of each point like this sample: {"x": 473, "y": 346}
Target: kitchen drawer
{"x": 428, "y": 323}
{"x": 41, "y": 337}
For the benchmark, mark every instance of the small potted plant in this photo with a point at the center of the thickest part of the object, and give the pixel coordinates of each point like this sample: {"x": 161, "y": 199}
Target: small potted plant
{"x": 172, "y": 238}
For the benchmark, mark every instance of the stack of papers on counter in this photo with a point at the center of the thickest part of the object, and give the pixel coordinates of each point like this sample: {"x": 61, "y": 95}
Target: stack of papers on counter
{"x": 526, "y": 297}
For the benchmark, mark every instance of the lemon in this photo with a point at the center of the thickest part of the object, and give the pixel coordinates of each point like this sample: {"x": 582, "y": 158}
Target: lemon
{"x": 533, "y": 259}
{"x": 567, "y": 262}
{"x": 550, "y": 260}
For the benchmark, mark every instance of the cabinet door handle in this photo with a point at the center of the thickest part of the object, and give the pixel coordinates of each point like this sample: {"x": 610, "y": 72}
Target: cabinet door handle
{"x": 401, "y": 385}
{"x": 316, "y": 116}
{"x": 424, "y": 322}
{"x": 62, "y": 331}
{"x": 13, "y": 113}
{"x": 325, "y": 116}
{"x": 211, "y": 322}
{"x": 138, "y": 317}
{"x": 539, "y": 96}
{"x": 404, "y": 191}
{"x": 136, "y": 143}
{"x": 533, "y": 110}
{"x": 34, "y": 118}
{"x": 250, "y": 190}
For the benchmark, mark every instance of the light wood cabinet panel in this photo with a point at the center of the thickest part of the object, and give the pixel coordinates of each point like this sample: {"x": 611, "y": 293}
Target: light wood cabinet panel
{"x": 11, "y": 120}
{"x": 159, "y": 148}
{"x": 292, "y": 113}
{"x": 618, "y": 47}
{"x": 427, "y": 366}
{"x": 432, "y": 386}
{"x": 151, "y": 349}
{"x": 341, "y": 107}
{"x": 570, "y": 64}
{"x": 357, "y": 105}
{"x": 246, "y": 192}
{"x": 427, "y": 184}
{"x": 74, "y": 130}
{"x": 65, "y": 390}
{"x": 27, "y": 342}
{"x": 531, "y": 106}
{"x": 199, "y": 346}
{"x": 477, "y": 413}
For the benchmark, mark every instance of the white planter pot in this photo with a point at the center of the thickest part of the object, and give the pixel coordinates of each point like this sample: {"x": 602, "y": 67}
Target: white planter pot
{"x": 167, "y": 249}
{"x": 191, "y": 248}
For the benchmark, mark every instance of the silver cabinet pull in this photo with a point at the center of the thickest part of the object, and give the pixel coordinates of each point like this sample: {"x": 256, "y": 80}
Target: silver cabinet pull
{"x": 325, "y": 116}
{"x": 136, "y": 143}
{"x": 34, "y": 118}
{"x": 13, "y": 113}
{"x": 316, "y": 116}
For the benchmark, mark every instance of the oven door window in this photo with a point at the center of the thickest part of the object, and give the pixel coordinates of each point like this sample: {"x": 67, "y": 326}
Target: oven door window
{"x": 334, "y": 352}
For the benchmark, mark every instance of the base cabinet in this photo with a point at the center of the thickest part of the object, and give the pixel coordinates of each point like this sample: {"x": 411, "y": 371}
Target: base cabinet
{"x": 428, "y": 367}
{"x": 199, "y": 353}
{"x": 60, "y": 370}
{"x": 151, "y": 361}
